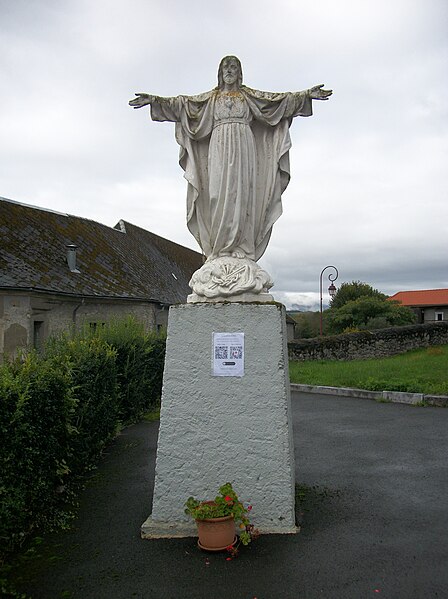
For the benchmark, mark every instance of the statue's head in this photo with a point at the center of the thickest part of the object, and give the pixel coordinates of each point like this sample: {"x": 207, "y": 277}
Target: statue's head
{"x": 230, "y": 71}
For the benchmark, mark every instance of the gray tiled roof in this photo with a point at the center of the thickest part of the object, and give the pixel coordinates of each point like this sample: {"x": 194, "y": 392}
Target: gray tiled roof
{"x": 122, "y": 262}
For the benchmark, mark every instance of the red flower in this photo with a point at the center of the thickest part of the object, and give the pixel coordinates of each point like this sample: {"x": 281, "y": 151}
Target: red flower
{"x": 228, "y": 498}
{"x": 249, "y": 507}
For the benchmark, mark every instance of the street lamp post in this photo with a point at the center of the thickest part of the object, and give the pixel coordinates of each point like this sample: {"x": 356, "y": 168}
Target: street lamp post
{"x": 331, "y": 289}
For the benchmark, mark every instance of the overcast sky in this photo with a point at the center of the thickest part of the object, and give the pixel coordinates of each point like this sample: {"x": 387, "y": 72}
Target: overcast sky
{"x": 369, "y": 169}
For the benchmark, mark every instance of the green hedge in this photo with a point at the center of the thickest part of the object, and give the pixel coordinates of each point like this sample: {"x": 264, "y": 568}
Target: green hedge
{"x": 58, "y": 411}
{"x": 139, "y": 358}
{"x": 36, "y": 402}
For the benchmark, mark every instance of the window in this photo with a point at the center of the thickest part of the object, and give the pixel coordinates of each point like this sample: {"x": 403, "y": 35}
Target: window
{"x": 38, "y": 332}
{"x": 439, "y": 316}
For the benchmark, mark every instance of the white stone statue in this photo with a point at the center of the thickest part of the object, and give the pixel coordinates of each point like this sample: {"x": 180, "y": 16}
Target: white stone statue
{"x": 234, "y": 148}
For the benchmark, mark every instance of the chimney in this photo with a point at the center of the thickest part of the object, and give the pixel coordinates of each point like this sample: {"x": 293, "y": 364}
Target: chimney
{"x": 71, "y": 257}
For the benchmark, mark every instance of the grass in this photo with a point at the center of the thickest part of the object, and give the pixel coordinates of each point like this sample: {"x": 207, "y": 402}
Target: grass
{"x": 151, "y": 416}
{"x": 418, "y": 371}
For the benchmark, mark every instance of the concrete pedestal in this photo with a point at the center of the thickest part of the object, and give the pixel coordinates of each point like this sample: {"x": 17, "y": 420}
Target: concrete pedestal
{"x": 219, "y": 429}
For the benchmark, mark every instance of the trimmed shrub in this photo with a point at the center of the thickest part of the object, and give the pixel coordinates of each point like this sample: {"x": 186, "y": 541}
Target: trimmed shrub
{"x": 35, "y": 404}
{"x": 59, "y": 410}
{"x": 94, "y": 388}
{"x": 140, "y": 359}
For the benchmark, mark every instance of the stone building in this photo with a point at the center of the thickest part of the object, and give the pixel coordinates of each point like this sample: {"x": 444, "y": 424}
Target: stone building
{"x": 59, "y": 271}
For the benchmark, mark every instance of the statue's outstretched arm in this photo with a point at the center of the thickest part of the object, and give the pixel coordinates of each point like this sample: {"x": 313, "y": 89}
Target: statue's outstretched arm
{"x": 162, "y": 109}
{"x": 317, "y": 93}
{"x": 141, "y": 100}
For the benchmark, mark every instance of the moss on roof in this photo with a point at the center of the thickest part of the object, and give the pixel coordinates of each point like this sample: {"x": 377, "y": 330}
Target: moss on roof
{"x": 121, "y": 262}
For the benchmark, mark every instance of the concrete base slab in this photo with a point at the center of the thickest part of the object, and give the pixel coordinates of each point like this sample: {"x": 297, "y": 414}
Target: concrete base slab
{"x": 153, "y": 529}
{"x": 218, "y": 429}
{"x": 167, "y": 530}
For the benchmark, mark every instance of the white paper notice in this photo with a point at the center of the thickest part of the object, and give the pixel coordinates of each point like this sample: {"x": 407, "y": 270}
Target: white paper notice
{"x": 228, "y": 354}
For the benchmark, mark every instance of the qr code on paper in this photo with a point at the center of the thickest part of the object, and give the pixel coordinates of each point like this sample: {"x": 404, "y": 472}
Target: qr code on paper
{"x": 221, "y": 352}
{"x": 236, "y": 352}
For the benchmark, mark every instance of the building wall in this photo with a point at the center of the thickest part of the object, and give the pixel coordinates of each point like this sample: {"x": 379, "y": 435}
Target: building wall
{"x": 290, "y": 330}
{"x": 429, "y": 314}
{"x": 28, "y": 320}
{"x": 14, "y": 323}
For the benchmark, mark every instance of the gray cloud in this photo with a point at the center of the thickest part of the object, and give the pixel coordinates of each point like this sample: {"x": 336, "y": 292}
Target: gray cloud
{"x": 369, "y": 188}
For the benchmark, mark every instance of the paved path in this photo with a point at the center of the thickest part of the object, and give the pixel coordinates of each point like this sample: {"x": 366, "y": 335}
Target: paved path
{"x": 376, "y": 526}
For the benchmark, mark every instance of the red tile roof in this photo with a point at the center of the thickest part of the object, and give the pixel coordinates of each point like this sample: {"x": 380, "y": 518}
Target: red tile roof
{"x": 426, "y": 297}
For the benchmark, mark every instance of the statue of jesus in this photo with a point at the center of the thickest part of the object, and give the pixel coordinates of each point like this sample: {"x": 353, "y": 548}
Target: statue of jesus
{"x": 234, "y": 148}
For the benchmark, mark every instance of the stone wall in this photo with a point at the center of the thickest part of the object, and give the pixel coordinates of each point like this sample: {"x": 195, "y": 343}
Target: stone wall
{"x": 369, "y": 344}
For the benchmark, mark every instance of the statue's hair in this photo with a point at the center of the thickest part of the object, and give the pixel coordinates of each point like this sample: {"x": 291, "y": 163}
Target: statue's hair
{"x": 221, "y": 64}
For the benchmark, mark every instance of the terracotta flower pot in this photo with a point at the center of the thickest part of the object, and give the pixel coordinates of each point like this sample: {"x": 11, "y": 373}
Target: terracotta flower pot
{"x": 215, "y": 534}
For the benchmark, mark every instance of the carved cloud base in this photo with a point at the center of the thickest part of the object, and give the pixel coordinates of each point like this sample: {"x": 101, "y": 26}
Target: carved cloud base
{"x": 230, "y": 279}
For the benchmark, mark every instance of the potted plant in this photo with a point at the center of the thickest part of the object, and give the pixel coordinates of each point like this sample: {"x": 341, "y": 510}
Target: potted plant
{"x": 216, "y": 521}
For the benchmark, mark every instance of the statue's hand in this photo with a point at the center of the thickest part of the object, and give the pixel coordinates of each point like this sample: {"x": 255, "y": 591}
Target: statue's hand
{"x": 141, "y": 100}
{"x": 317, "y": 93}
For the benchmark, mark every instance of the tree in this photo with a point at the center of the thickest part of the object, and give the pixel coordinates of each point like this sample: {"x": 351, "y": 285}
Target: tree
{"x": 358, "y": 306}
{"x": 307, "y": 324}
{"x": 348, "y": 292}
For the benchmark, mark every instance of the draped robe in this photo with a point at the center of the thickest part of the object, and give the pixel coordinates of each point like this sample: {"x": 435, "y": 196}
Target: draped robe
{"x": 234, "y": 149}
